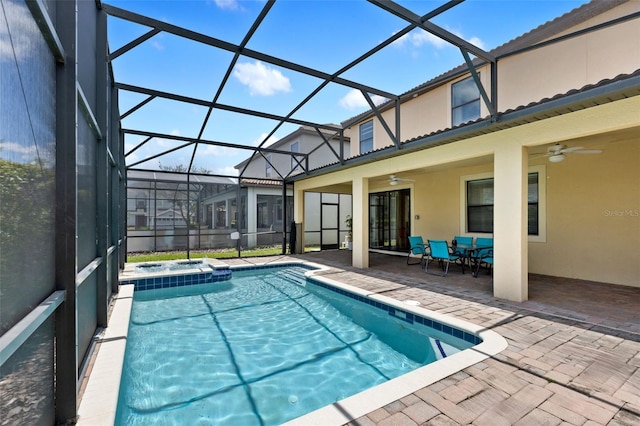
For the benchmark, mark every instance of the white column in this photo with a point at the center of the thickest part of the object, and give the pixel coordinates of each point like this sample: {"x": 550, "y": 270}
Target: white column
{"x": 252, "y": 217}
{"x": 298, "y": 214}
{"x": 360, "y": 199}
{"x": 510, "y": 276}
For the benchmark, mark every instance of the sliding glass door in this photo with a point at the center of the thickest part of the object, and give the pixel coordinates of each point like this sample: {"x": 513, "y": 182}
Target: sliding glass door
{"x": 389, "y": 215}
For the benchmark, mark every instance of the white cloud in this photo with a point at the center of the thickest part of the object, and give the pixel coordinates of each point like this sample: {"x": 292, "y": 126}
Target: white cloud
{"x": 261, "y": 79}
{"x": 270, "y": 141}
{"x": 418, "y": 38}
{"x": 227, "y": 4}
{"x": 18, "y": 46}
{"x": 354, "y": 99}
{"x": 157, "y": 45}
{"x": 476, "y": 41}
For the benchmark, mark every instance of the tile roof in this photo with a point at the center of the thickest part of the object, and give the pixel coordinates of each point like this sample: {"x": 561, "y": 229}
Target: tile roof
{"x": 605, "y": 91}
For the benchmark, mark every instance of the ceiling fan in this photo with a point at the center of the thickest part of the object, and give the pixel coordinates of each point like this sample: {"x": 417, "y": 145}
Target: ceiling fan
{"x": 556, "y": 153}
{"x": 394, "y": 180}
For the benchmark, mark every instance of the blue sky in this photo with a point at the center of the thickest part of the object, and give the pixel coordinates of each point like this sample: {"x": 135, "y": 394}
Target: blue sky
{"x": 324, "y": 35}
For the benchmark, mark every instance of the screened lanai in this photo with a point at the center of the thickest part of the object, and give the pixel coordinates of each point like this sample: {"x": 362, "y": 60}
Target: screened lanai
{"x": 172, "y": 128}
{"x": 105, "y": 149}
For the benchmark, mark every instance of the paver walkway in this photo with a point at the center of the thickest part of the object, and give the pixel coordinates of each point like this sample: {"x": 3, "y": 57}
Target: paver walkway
{"x": 573, "y": 356}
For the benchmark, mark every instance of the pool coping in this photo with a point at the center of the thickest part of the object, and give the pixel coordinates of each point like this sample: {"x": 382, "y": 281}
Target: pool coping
{"x": 369, "y": 400}
{"x": 100, "y": 399}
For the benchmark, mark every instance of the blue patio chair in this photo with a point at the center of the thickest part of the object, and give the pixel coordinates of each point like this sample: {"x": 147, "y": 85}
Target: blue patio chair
{"x": 440, "y": 251}
{"x": 459, "y": 239}
{"x": 481, "y": 253}
{"x": 417, "y": 246}
{"x": 486, "y": 258}
{"x": 463, "y": 240}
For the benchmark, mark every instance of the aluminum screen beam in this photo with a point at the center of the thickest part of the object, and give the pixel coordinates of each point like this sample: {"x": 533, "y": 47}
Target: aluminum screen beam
{"x": 411, "y": 17}
{"x": 204, "y": 141}
{"x": 202, "y": 102}
{"x": 230, "y": 47}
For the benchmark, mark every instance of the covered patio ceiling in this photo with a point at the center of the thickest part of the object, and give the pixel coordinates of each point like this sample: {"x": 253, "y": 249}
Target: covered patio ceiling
{"x": 323, "y": 70}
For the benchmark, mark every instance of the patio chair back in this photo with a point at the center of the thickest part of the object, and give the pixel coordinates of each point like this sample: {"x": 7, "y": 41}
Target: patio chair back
{"x": 463, "y": 240}
{"x": 416, "y": 243}
{"x": 440, "y": 252}
{"x": 417, "y": 247}
{"x": 439, "y": 249}
{"x": 484, "y": 242}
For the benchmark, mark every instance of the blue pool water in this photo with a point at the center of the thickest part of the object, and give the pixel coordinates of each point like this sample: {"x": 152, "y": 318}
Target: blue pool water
{"x": 263, "y": 348}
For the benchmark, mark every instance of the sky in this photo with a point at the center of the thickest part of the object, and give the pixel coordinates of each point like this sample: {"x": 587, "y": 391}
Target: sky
{"x": 324, "y": 35}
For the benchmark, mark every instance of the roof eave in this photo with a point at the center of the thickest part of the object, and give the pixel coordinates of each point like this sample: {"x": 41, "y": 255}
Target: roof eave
{"x": 597, "y": 95}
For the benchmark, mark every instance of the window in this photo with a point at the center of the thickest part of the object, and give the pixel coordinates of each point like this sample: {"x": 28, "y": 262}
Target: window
{"x": 479, "y": 202}
{"x": 465, "y": 101}
{"x": 366, "y": 137}
{"x": 295, "y": 148}
{"x": 267, "y": 167}
{"x": 480, "y": 205}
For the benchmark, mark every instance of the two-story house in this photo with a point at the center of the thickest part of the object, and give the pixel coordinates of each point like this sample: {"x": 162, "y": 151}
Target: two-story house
{"x": 534, "y": 144}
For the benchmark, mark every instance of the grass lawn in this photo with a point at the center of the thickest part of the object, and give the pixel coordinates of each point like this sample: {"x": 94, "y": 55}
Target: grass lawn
{"x": 211, "y": 254}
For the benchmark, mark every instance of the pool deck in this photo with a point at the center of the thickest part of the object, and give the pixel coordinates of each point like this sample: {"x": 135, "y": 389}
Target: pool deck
{"x": 573, "y": 355}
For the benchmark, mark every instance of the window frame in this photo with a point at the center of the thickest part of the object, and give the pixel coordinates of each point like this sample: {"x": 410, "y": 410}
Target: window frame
{"x": 542, "y": 203}
{"x": 455, "y": 107}
{"x": 367, "y": 140}
{"x": 294, "y": 163}
{"x": 267, "y": 167}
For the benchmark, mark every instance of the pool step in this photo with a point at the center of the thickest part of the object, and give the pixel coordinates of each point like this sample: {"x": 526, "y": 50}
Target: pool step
{"x": 294, "y": 275}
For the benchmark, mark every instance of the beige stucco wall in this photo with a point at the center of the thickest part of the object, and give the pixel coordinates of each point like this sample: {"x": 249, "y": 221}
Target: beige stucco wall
{"x": 571, "y": 64}
{"x": 527, "y": 77}
{"x": 593, "y": 217}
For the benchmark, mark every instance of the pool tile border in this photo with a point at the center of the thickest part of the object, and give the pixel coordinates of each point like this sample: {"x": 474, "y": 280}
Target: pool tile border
{"x": 342, "y": 411}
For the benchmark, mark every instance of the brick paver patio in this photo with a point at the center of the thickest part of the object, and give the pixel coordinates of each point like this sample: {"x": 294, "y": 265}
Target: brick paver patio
{"x": 573, "y": 356}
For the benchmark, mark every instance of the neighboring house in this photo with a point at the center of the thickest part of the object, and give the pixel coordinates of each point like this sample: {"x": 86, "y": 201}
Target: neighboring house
{"x": 162, "y": 208}
{"x": 304, "y": 149}
{"x": 474, "y": 160}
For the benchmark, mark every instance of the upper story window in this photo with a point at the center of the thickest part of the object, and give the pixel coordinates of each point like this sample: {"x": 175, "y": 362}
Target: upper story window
{"x": 295, "y": 148}
{"x": 267, "y": 167}
{"x": 366, "y": 137}
{"x": 465, "y": 101}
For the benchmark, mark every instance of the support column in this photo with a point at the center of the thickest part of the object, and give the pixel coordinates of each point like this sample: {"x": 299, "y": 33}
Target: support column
{"x": 510, "y": 277}
{"x": 298, "y": 215}
{"x": 252, "y": 217}
{"x": 66, "y": 216}
{"x": 360, "y": 194}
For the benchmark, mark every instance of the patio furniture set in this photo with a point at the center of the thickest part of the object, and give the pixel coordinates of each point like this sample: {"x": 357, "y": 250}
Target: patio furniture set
{"x": 462, "y": 250}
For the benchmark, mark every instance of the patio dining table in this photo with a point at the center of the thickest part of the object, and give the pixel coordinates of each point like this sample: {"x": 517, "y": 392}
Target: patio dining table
{"x": 467, "y": 251}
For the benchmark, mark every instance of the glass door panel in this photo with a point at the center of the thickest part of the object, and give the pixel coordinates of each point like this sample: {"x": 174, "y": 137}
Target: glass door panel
{"x": 389, "y": 213}
{"x": 330, "y": 228}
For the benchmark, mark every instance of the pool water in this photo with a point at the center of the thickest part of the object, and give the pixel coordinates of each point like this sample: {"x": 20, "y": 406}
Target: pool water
{"x": 261, "y": 349}
{"x": 179, "y": 265}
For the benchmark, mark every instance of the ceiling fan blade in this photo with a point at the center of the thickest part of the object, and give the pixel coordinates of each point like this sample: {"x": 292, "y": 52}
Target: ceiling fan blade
{"x": 571, "y": 149}
{"x": 588, "y": 151}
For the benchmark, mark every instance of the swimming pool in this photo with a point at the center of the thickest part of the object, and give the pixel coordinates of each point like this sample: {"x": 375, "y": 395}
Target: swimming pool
{"x": 267, "y": 377}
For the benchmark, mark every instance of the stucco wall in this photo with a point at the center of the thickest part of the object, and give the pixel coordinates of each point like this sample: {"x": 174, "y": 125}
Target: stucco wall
{"x": 571, "y": 64}
{"x": 527, "y": 77}
{"x": 593, "y": 217}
